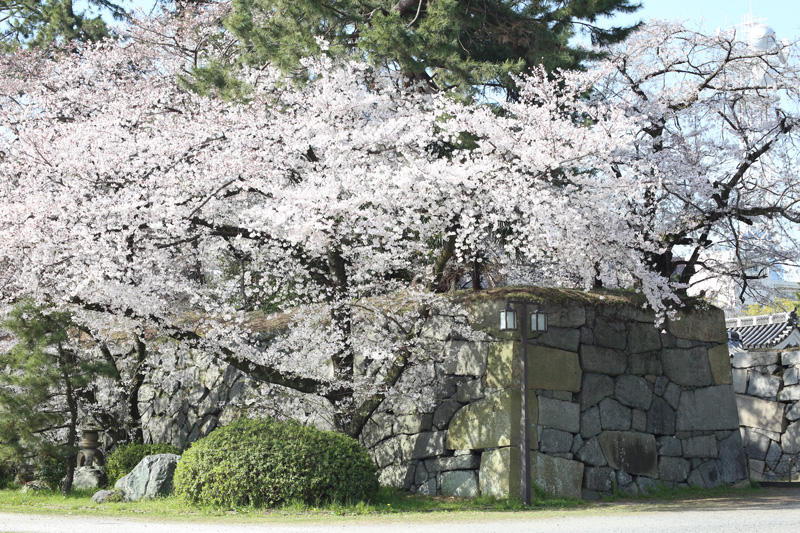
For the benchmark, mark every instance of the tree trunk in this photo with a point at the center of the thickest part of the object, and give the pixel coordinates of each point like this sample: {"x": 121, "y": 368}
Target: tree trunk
{"x": 67, "y": 362}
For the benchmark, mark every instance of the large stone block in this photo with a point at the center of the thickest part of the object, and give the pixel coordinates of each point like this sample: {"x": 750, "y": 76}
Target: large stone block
{"x": 763, "y": 386}
{"x": 720, "y": 361}
{"x": 595, "y": 388}
{"x": 560, "y": 338}
{"x": 427, "y": 444}
{"x": 603, "y": 360}
{"x": 630, "y": 451}
{"x": 789, "y": 394}
{"x": 791, "y": 357}
{"x": 675, "y": 469}
{"x": 614, "y": 415}
{"x": 709, "y": 408}
{"x": 400, "y": 476}
{"x": 490, "y": 422}
{"x": 751, "y": 359}
{"x": 557, "y": 477}
{"x": 790, "y": 440}
{"x": 645, "y": 363}
{"x": 708, "y": 475}
{"x": 502, "y": 367}
{"x": 459, "y": 483}
{"x": 555, "y": 441}
{"x": 660, "y": 418}
{"x": 643, "y": 337}
{"x": 610, "y": 333}
{"x": 500, "y": 471}
{"x": 633, "y": 391}
{"x": 566, "y": 316}
{"x": 552, "y": 369}
{"x": 559, "y": 414}
{"x": 600, "y": 479}
{"x": 458, "y": 462}
{"x": 701, "y": 446}
{"x": 687, "y": 366}
{"x": 706, "y": 325}
{"x": 465, "y": 358}
{"x": 760, "y": 413}
{"x": 590, "y": 422}
{"x": 591, "y": 453}
{"x": 739, "y": 376}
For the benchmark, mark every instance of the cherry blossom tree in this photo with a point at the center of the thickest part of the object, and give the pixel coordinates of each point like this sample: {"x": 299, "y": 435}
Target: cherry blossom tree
{"x": 337, "y": 197}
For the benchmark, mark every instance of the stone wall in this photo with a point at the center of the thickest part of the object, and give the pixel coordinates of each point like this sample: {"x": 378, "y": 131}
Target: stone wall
{"x": 614, "y": 401}
{"x": 767, "y": 384}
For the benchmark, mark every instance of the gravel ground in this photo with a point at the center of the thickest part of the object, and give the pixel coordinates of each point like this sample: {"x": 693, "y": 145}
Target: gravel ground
{"x": 770, "y": 510}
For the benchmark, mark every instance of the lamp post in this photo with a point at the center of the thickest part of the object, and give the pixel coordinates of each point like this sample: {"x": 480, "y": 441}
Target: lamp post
{"x": 537, "y": 323}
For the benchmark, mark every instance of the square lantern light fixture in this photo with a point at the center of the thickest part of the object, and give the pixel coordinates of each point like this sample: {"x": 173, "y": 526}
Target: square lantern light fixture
{"x": 538, "y": 321}
{"x": 508, "y": 319}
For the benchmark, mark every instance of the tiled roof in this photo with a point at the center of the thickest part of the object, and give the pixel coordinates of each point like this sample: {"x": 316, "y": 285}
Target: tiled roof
{"x": 759, "y": 332}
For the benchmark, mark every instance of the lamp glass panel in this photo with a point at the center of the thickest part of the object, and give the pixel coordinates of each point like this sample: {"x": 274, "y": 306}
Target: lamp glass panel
{"x": 538, "y": 321}
{"x": 508, "y": 320}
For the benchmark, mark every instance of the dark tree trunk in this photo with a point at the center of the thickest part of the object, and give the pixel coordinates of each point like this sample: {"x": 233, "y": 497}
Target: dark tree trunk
{"x": 67, "y": 362}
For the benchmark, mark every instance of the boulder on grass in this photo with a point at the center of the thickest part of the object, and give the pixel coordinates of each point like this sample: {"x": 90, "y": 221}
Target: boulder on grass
{"x": 33, "y": 486}
{"x": 151, "y": 478}
{"x": 103, "y": 496}
{"x": 88, "y": 477}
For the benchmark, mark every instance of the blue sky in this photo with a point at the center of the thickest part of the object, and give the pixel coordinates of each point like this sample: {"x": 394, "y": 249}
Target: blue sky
{"x": 783, "y": 16}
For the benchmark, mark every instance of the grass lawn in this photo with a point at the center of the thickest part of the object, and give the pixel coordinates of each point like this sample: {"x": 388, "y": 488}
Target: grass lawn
{"x": 390, "y": 503}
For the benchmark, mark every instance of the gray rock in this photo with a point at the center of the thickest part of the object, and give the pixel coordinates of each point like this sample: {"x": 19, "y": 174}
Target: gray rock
{"x": 703, "y": 446}
{"x": 643, "y": 337}
{"x": 428, "y": 488}
{"x": 660, "y": 386}
{"x": 567, "y": 316}
{"x": 461, "y": 462}
{"x": 150, "y": 478}
{"x": 400, "y": 476}
{"x": 709, "y": 408}
{"x": 591, "y": 454}
{"x": 630, "y": 451}
{"x": 790, "y": 358}
{"x": 88, "y": 477}
{"x": 624, "y": 479}
{"x": 773, "y": 455}
{"x": 459, "y": 483}
{"x": 600, "y": 479}
{"x": 672, "y": 395}
{"x": 764, "y": 386}
{"x": 670, "y": 446}
{"x": 444, "y": 413}
{"x": 793, "y": 413}
{"x": 739, "y": 380}
{"x": 577, "y": 443}
{"x": 469, "y": 391}
{"x": 602, "y": 360}
{"x": 558, "y": 414}
{"x": 674, "y": 469}
{"x": 755, "y": 444}
{"x": 590, "y": 423}
{"x": 428, "y": 444}
{"x": 760, "y": 413}
{"x": 638, "y": 420}
{"x": 646, "y": 484}
{"x": 645, "y": 363}
{"x": 791, "y": 375}
{"x": 633, "y": 391}
{"x": 791, "y": 393}
{"x": 465, "y": 358}
{"x": 687, "y": 367}
{"x": 610, "y": 333}
{"x": 708, "y": 475}
{"x": 790, "y": 440}
{"x": 555, "y": 441}
{"x": 614, "y": 416}
{"x": 750, "y": 359}
{"x": 102, "y": 496}
{"x": 562, "y": 338}
{"x": 660, "y": 418}
{"x": 595, "y": 387}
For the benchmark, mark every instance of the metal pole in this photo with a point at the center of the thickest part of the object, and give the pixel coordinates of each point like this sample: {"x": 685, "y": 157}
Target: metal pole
{"x": 524, "y": 430}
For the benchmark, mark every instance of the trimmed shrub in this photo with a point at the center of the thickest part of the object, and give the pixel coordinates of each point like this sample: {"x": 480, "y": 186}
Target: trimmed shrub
{"x": 125, "y": 457}
{"x": 257, "y": 462}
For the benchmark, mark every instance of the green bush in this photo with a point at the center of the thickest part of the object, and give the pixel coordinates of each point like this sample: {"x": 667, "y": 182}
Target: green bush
{"x": 255, "y": 462}
{"x": 125, "y": 457}
{"x": 51, "y": 470}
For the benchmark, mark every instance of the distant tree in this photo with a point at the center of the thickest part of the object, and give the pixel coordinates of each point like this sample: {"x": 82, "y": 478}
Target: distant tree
{"x": 40, "y": 22}
{"x": 42, "y": 379}
{"x": 444, "y": 43}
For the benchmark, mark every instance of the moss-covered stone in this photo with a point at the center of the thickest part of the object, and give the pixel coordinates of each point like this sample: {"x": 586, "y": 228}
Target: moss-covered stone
{"x": 720, "y": 362}
{"x": 552, "y": 369}
{"x": 502, "y": 367}
{"x": 491, "y": 422}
